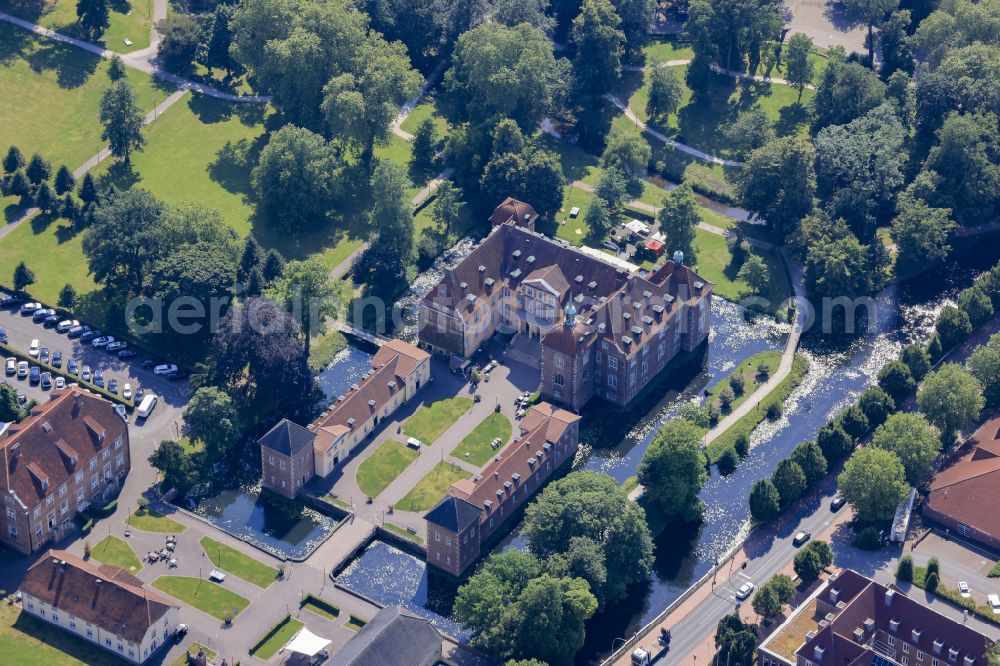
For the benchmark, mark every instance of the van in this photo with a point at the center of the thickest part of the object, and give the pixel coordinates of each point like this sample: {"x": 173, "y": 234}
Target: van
{"x": 413, "y": 443}
{"x": 994, "y": 602}
{"x": 146, "y": 406}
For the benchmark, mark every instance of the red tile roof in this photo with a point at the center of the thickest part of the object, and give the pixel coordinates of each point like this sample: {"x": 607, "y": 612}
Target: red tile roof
{"x": 108, "y": 597}
{"x": 965, "y": 491}
{"x": 509, "y": 209}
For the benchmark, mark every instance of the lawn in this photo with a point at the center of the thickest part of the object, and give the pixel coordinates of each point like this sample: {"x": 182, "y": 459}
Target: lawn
{"x": 476, "y": 447}
{"x": 52, "y": 249}
{"x": 403, "y": 532}
{"x": 201, "y": 150}
{"x": 27, "y": 640}
{"x": 204, "y": 595}
{"x": 193, "y": 649}
{"x": 237, "y": 563}
{"x": 276, "y": 638}
{"x": 751, "y": 378}
{"x": 432, "y": 487}
{"x": 320, "y": 606}
{"x": 383, "y": 466}
{"x": 52, "y": 93}
{"x": 430, "y": 421}
{"x": 151, "y": 521}
{"x": 112, "y": 550}
{"x": 715, "y": 263}
{"x": 426, "y": 109}
{"x": 666, "y": 48}
{"x": 129, "y": 20}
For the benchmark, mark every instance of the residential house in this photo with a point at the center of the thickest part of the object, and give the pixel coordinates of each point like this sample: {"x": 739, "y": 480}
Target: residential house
{"x": 600, "y": 328}
{"x": 853, "y": 621}
{"x": 106, "y": 605}
{"x": 68, "y": 453}
{"x": 475, "y": 509}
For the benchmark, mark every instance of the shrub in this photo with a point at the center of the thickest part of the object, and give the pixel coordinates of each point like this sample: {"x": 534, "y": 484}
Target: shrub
{"x": 774, "y": 411}
{"x": 904, "y": 572}
{"x": 728, "y": 461}
{"x": 976, "y": 304}
{"x": 726, "y": 397}
{"x": 896, "y": 380}
{"x": 737, "y": 384}
{"x": 765, "y": 502}
{"x": 931, "y": 582}
{"x": 742, "y": 445}
{"x": 934, "y": 566}
{"x": 953, "y": 326}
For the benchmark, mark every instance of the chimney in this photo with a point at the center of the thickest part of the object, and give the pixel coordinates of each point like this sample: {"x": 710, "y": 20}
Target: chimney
{"x": 889, "y": 596}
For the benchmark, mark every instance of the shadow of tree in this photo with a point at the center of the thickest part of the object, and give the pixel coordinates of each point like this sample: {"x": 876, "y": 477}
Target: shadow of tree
{"x": 73, "y": 67}
{"x": 234, "y": 163}
{"x": 210, "y": 109}
{"x": 122, "y": 176}
{"x": 790, "y": 118}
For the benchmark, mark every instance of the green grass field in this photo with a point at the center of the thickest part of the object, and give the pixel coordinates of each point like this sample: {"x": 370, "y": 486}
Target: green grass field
{"x": 129, "y": 20}
{"x": 237, "y": 563}
{"x": 112, "y": 550}
{"x": 193, "y": 649}
{"x": 476, "y": 447}
{"x": 383, "y": 466}
{"x": 150, "y": 521}
{"x": 27, "y": 640}
{"x": 52, "y": 94}
{"x": 430, "y": 421}
{"x": 403, "y": 532}
{"x": 204, "y": 595}
{"x": 276, "y": 638}
{"x": 664, "y": 49}
{"x": 52, "y": 248}
{"x": 432, "y": 487}
{"x": 715, "y": 263}
{"x": 355, "y": 623}
{"x": 426, "y": 109}
{"x": 320, "y": 606}
{"x": 751, "y": 378}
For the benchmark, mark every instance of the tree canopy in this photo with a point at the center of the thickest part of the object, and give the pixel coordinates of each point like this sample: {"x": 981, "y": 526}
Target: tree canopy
{"x": 673, "y": 470}
{"x": 874, "y": 482}
{"x": 913, "y": 439}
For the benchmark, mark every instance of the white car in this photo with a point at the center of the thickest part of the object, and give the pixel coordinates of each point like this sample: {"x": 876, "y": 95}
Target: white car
{"x": 22, "y": 369}
{"x": 164, "y": 369}
{"x": 994, "y": 602}
{"x": 11, "y": 365}
{"x": 33, "y": 348}
{"x": 746, "y": 589}
{"x": 30, "y": 307}
{"x": 127, "y": 392}
{"x": 964, "y": 590}
{"x": 66, "y": 324}
{"x": 60, "y": 383}
{"x": 103, "y": 341}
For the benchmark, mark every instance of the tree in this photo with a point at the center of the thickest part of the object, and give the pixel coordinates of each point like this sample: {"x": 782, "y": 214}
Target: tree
{"x": 515, "y": 12}
{"x": 934, "y": 349}
{"x": 755, "y": 273}
{"x": 953, "y": 326}
{"x": 13, "y": 160}
{"x": 10, "y": 410}
{"x": 847, "y": 90}
{"x": 678, "y": 219}
{"x": 531, "y": 89}
{"x": 214, "y": 51}
{"x": 424, "y": 147}
{"x": 69, "y": 208}
{"x": 904, "y": 571}
{"x": 178, "y": 469}
{"x": 384, "y": 265}
{"x": 876, "y": 405}
{"x": 65, "y": 182}
{"x": 913, "y": 439}
{"x": 212, "y": 419}
{"x": 984, "y": 365}
{"x": 673, "y": 470}
{"x": 116, "y": 68}
{"x": 447, "y": 208}
{"x": 751, "y": 130}
{"x": 931, "y": 581}
{"x": 950, "y": 397}
{"x": 600, "y": 44}
{"x": 45, "y": 198}
{"x": 975, "y": 303}
{"x": 359, "y": 108}
{"x": 790, "y": 481}
{"x": 765, "y": 602}
{"x": 94, "y": 17}
{"x": 20, "y": 186}
{"x": 23, "y": 277}
{"x": 871, "y": 12}
{"x": 874, "y": 482}
{"x": 783, "y": 587}
{"x": 735, "y": 641}
{"x": 894, "y": 38}
{"x": 122, "y": 119}
{"x": 88, "y": 189}
{"x": 543, "y": 181}
{"x": 896, "y": 380}
{"x": 730, "y": 33}
{"x": 39, "y": 170}
{"x": 548, "y": 619}
{"x": 180, "y": 37}
{"x": 295, "y": 179}
{"x": 798, "y": 66}
{"x": 612, "y": 187}
{"x": 853, "y": 421}
{"x": 765, "y": 501}
{"x": 309, "y": 295}
{"x": 728, "y": 461}
{"x": 591, "y": 506}
{"x": 124, "y": 241}
{"x": 811, "y": 461}
{"x": 629, "y": 153}
{"x": 811, "y": 560}
{"x": 665, "y": 95}
{"x": 726, "y": 397}
{"x": 778, "y": 183}
{"x": 67, "y": 297}
{"x": 598, "y": 220}
{"x": 916, "y": 359}
{"x": 834, "y": 441}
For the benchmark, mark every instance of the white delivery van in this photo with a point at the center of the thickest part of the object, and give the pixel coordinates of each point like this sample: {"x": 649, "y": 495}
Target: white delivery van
{"x": 146, "y": 406}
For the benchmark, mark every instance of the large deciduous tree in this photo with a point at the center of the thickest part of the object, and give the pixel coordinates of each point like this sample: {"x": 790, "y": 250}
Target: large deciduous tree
{"x": 673, "y": 470}
{"x": 984, "y": 365}
{"x": 797, "y": 63}
{"x": 778, "y": 183}
{"x": 211, "y": 418}
{"x": 920, "y": 232}
{"x": 600, "y": 44}
{"x": 874, "y": 482}
{"x": 124, "y": 241}
{"x": 913, "y": 439}
{"x": 94, "y": 16}
{"x": 309, "y": 295}
{"x": 950, "y": 397}
{"x": 665, "y": 95}
{"x": 384, "y": 265}
{"x": 678, "y": 219}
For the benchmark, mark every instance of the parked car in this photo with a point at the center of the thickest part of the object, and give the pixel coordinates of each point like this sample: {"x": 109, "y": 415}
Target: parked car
{"x": 994, "y": 601}
{"x": 46, "y": 381}
{"x": 838, "y": 503}
{"x": 36, "y": 375}
{"x": 126, "y": 354}
{"x": 77, "y": 331}
{"x": 40, "y": 314}
{"x": 11, "y": 365}
{"x": 85, "y": 374}
{"x": 801, "y": 537}
{"x": 72, "y": 367}
{"x": 127, "y": 392}
{"x": 148, "y": 363}
{"x": 746, "y": 589}
{"x": 165, "y": 369}
{"x": 60, "y": 383}
{"x": 22, "y": 369}
{"x": 964, "y": 589}
{"x": 56, "y": 359}
{"x": 612, "y": 246}
{"x": 182, "y": 629}
{"x": 67, "y": 324}
{"x": 43, "y": 355}
{"x": 28, "y": 308}
{"x": 90, "y": 334}
{"x": 177, "y": 375}
{"x": 117, "y": 346}
{"x": 3, "y": 335}
{"x": 33, "y": 348}
{"x": 139, "y": 393}
{"x": 113, "y": 386}
{"x": 99, "y": 378}
{"x": 51, "y": 321}
{"x": 9, "y": 300}
{"x": 102, "y": 341}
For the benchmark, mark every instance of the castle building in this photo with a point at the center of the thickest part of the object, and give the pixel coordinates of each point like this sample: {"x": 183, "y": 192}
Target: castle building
{"x": 599, "y": 328}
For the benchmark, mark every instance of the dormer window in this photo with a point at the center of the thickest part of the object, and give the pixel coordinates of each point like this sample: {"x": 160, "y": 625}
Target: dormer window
{"x": 531, "y": 259}
{"x": 592, "y": 284}
{"x": 938, "y": 646}
{"x": 869, "y": 624}
{"x": 916, "y": 634}
{"x": 953, "y": 654}
{"x": 517, "y": 254}
{"x": 818, "y": 652}
{"x": 893, "y": 625}
{"x": 516, "y": 478}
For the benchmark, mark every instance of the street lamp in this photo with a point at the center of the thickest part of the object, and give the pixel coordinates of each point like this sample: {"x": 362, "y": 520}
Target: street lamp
{"x": 613, "y": 644}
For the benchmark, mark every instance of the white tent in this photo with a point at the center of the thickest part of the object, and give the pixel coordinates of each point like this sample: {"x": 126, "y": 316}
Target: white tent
{"x": 306, "y": 642}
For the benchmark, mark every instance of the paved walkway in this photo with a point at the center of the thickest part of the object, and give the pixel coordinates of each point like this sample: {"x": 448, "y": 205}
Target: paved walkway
{"x": 684, "y": 148}
{"x": 718, "y": 70}
{"x": 407, "y": 108}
